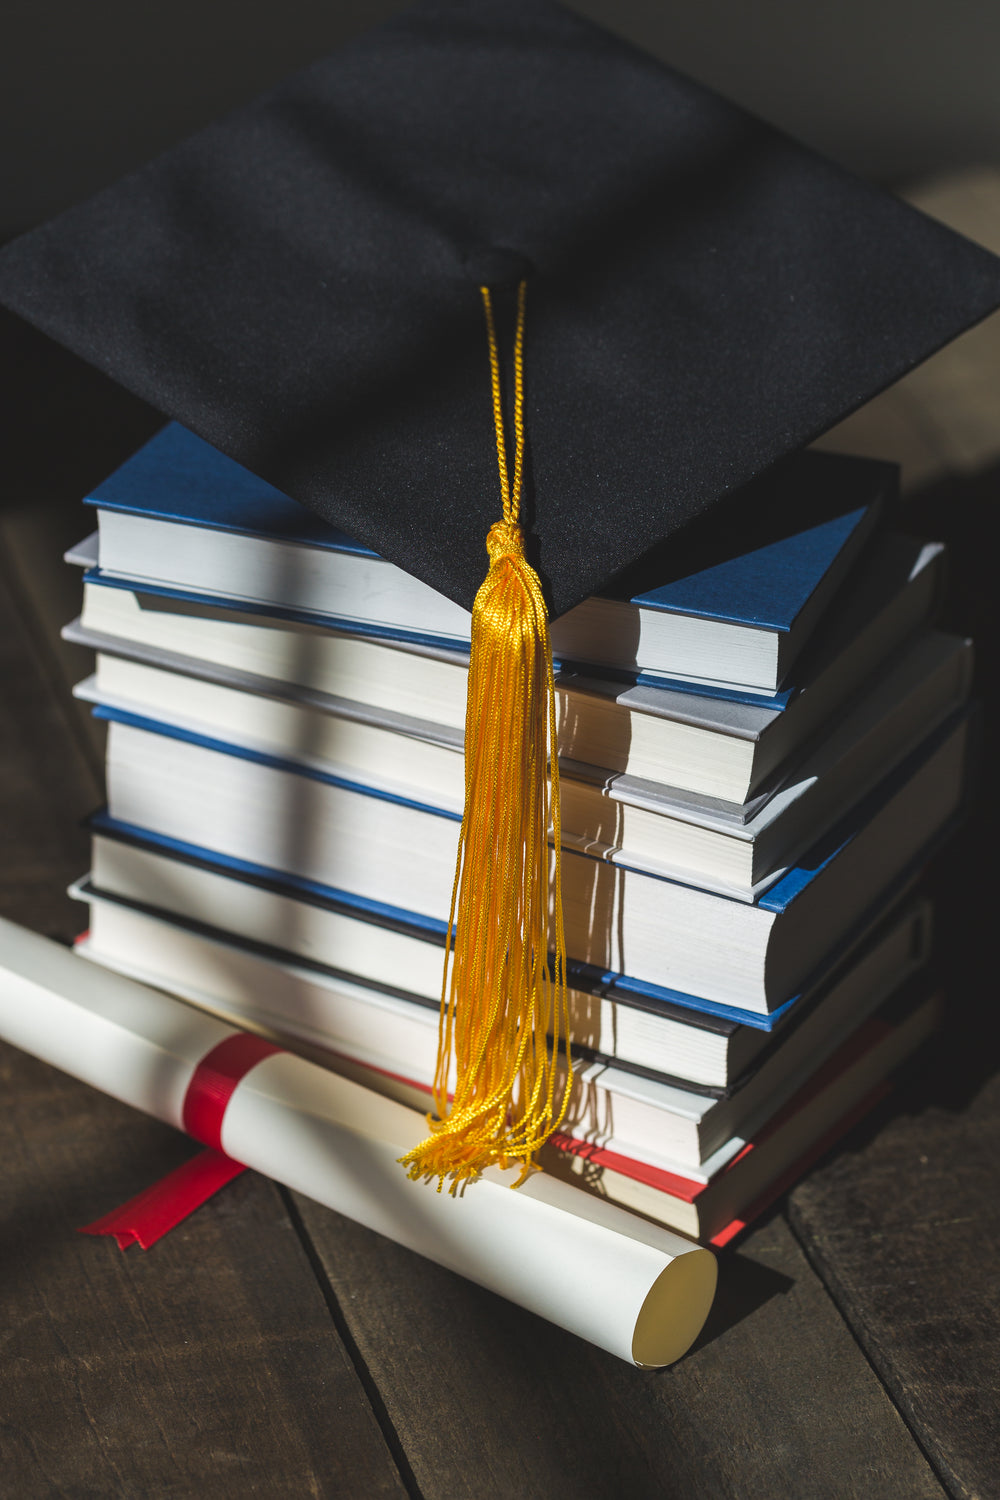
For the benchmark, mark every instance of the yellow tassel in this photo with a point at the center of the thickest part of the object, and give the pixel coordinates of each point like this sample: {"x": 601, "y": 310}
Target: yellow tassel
{"x": 503, "y": 1006}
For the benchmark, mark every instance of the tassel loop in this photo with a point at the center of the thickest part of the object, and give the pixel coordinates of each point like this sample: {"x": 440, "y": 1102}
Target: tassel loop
{"x": 504, "y": 539}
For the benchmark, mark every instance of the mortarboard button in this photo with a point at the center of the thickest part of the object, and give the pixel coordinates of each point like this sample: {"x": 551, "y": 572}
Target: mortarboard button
{"x": 497, "y": 266}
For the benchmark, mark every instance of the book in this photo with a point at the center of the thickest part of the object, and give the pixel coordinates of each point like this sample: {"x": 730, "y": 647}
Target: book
{"x": 398, "y": 855}
{"x": 620, "y": 819}
{"x": 721, "y": 744}
{"x": 315, "y": 1009}
{"x": 842, "y": 1089}
{"x": 180, "y": 513}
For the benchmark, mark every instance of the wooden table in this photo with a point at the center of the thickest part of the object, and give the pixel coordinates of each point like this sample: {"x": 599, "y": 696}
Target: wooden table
{"x": 269, "y": 1347}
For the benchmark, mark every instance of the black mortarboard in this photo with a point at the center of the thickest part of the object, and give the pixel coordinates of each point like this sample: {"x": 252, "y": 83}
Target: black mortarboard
{"x": 298, "y": 285}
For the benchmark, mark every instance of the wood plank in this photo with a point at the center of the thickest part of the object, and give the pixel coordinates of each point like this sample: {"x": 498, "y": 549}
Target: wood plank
{"x": 207, "y": 1366}
{"x": 48, "y": 784}
{"x": 904, "y": 1230}
{"x": 210, "y": 1365}
{"x": 904, "y": 1226}
{"x": 903, "y": 1223}
{"x": 489, "y": 1401}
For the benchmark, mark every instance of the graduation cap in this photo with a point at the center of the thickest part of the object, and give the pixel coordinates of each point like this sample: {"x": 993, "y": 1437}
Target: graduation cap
{"x": 696, "y": 295}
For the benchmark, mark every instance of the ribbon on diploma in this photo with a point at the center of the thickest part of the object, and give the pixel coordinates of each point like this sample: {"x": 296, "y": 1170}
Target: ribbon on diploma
{"x": 152, "y": 1213}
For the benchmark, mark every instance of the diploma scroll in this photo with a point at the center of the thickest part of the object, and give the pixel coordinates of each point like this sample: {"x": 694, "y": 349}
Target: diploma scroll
{"x": 629, "y": 1286}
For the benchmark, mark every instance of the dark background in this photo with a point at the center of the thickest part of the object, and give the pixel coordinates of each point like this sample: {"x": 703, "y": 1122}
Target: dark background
{"x": 895, "y": 89}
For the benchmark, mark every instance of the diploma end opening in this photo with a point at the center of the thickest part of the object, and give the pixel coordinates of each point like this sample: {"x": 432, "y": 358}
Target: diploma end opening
{"x": 675, "y": 1309}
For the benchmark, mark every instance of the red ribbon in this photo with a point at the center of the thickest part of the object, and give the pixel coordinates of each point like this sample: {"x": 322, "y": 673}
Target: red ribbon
{"x": 152, "y": 1213}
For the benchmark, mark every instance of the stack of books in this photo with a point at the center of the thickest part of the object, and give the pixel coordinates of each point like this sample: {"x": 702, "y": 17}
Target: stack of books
{"x": 758, "y": 758}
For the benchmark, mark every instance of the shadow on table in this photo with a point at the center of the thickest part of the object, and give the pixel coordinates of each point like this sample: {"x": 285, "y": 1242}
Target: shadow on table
{"x": 745, "y": 1285}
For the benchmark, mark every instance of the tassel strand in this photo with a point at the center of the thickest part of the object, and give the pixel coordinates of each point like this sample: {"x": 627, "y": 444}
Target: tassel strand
{"x": 503, "y": 1005}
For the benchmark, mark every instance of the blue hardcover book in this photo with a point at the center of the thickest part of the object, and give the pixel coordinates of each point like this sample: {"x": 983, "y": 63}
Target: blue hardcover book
{"x": 179, "y": 515}
{"x": 393, "y": 859}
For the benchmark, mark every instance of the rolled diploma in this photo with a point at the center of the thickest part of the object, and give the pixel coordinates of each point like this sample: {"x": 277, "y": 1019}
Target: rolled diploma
{"x": 629, "y": 1286}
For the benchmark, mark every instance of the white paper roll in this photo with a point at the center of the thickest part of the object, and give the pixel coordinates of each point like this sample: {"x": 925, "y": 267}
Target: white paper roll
{"x": 629, "y": 1286}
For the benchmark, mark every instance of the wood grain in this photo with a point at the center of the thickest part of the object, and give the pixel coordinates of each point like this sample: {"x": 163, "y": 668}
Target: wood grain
{"x": 904, "y": 1230}
{"x": 490, "y": 1402}
{"x": 207, "y": 1366}
{"x": 904, "y": 1222}
{"x": 904, "y": 1226}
